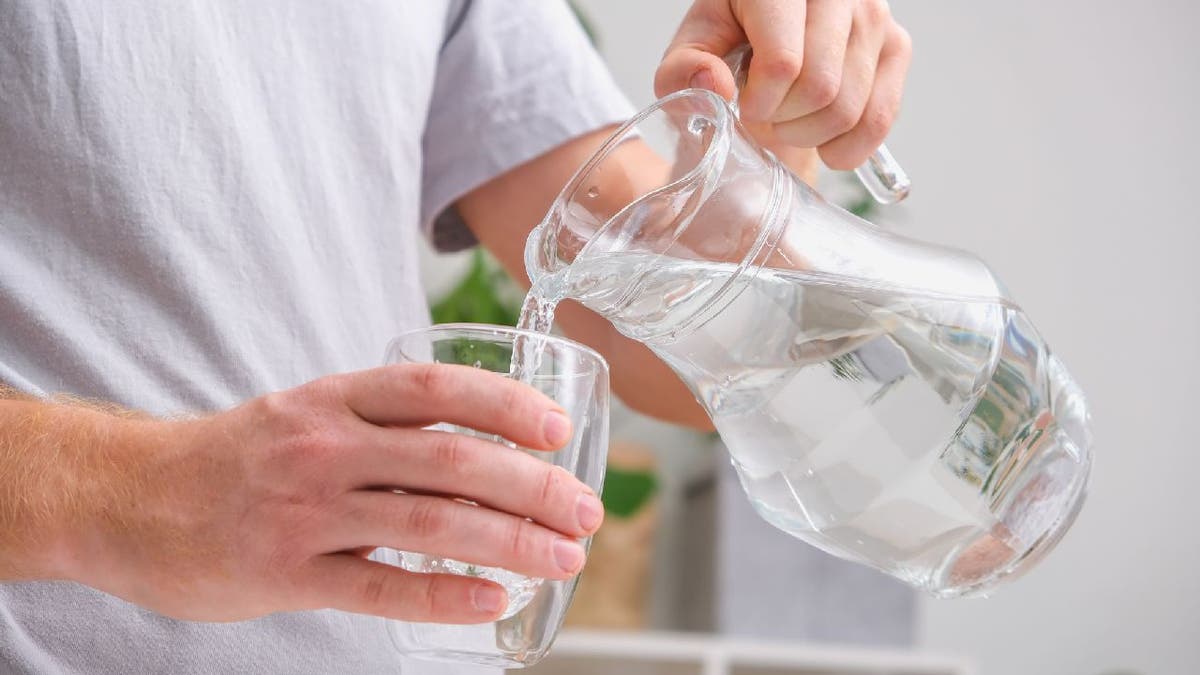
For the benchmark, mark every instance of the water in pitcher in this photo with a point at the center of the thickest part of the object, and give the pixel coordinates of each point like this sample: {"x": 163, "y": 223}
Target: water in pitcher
{"x": 878, "y": 423}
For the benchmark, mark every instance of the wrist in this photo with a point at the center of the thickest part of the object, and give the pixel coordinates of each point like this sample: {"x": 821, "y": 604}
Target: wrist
{"x": 91, "y": 485}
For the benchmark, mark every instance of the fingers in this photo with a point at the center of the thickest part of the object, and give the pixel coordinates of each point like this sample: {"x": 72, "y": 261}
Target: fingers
{"x": 448, "y": 528}
{"x": 825, "y": 39}
{"x": 853, "y": 147}
{"x": 776, "y": 31}
{"x": 481, "y": 471}
{"x": 418, "y": 394}
{"x": 351, "y": 584}
{"x": 825, "y": 73}
{"x": 695, "y": 56}
{"x": 686, "y": 67}
{"x": 853, "y": 88}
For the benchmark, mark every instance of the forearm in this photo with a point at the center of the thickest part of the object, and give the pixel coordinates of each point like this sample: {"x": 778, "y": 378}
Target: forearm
{"x": 61, "y": 467}
{"x": 639, "y": 378}
{"x": 502, "y": 212}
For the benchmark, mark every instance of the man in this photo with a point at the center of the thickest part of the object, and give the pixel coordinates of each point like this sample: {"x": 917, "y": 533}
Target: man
{"x": 202, "y": 203}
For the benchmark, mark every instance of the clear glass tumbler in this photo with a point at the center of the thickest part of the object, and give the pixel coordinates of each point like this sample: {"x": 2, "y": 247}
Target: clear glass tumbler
{"x": 576, "y": 377}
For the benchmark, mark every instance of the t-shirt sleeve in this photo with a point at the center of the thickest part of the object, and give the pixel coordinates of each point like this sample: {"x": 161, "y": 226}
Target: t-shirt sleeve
{"x": 514, "y": 80}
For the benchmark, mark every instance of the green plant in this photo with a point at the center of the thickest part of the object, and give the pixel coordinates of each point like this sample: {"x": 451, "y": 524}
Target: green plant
{"x": 486, "y": 355}
{"x": 863, "y": 204}
{"x": 626, "y": 492}
{"x": 480, "y": 297}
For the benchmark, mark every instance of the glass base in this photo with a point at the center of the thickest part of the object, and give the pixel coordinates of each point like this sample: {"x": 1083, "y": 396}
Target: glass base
{"x": 473, "y": 644}
{"x": 472, "y": 658}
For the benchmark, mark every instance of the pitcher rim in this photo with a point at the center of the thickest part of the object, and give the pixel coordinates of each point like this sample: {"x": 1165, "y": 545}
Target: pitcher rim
{"x": 538, "y": 239}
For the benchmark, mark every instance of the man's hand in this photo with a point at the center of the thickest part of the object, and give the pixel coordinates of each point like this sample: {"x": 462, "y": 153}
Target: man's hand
{"x": 826, "y": 74}
{"x": 274, "y": 505}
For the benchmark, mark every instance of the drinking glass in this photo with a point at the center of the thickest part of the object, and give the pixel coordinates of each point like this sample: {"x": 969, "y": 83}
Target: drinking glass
{"x": 576, "y": 377}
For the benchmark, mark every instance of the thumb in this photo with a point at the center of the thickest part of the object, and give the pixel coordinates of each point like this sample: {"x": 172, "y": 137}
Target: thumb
{"x": 686, "y": 66}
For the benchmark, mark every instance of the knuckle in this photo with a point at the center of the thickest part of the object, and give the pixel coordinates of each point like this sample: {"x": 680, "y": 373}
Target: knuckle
{"x": 821, "y": 86}
{"x": 551, "y": 484}
{"x": 876, "y": 123}
{"x": 843, "y": 117}
{"x": 324, "y": 391}
{"x": 276, "y": 405}
{"x": 432, "y": 598}
{"x": 521, "y": 539}
{"x": 306, "y": 454}
{"x": 434, "y": 380}
{"x": 283, "y": 413}
{"x": 875, "y": 11}
{"x": 426, "y": 519}
{"x": 782, "y": 63}
{"x": 303, "y": 415}
{"x": 374, "y": 588}
{"x": 840, "y": 121}
{"x": 309, "y": 402}
{"x": 452, "y": 455}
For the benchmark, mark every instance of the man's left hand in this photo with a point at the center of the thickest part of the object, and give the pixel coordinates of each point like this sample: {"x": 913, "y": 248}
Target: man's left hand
{"x": 825, "y": 74}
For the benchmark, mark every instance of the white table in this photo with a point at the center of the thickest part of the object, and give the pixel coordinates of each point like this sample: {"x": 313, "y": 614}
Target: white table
{"x": 657, "y": 653}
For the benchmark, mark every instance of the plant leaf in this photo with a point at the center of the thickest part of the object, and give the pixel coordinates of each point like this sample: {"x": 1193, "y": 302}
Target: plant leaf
{"x": 626, "y": 492}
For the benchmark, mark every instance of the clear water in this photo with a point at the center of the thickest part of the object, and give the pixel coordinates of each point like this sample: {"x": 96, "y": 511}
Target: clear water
{"x": 520, "y": 588}
{"x": 932, "y": 436}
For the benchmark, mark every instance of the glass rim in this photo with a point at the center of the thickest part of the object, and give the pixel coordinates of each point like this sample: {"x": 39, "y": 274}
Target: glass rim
{"x": 486, "y": 331}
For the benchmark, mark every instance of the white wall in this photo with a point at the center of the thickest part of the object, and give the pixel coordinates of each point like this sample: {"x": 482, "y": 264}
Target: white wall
{"x": 1059, "y": 140}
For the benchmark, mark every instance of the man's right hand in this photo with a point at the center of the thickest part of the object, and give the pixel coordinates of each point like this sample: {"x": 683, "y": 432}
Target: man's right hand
{"x": 274, "y": 505}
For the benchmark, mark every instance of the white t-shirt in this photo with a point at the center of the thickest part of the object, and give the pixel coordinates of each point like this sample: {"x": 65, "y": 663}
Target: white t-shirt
{"x": 201, "y": 202}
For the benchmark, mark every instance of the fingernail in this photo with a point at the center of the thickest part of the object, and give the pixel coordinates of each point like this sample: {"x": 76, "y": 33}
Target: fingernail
{"x": 589, "y": 511}
{"x": 569, "y": 555}
{"x": 557, "y": 428}
{"x": 703, "y": 79}
{"x": 489, "y": 598}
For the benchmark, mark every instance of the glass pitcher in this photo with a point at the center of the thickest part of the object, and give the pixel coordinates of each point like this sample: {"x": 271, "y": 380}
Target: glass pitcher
{"x": 881, "y": 398}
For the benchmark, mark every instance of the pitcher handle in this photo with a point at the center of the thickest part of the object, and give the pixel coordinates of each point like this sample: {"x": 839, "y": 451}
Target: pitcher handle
{"x": 881, "y": 174}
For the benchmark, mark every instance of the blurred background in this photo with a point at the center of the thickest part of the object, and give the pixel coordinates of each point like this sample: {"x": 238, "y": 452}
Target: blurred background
{"x": 1058, "y": 141}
